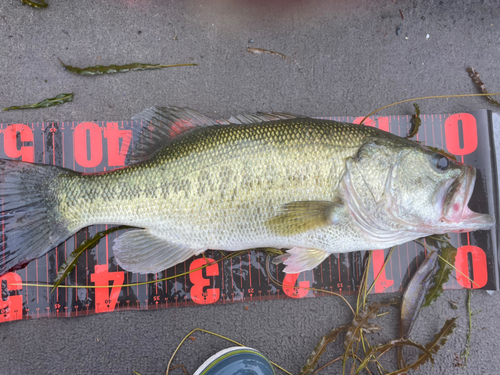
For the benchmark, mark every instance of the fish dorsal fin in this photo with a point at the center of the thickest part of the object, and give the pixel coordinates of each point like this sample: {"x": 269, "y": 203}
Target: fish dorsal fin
{"x": 160, "y": 125}
{"x": 250, "y": 118}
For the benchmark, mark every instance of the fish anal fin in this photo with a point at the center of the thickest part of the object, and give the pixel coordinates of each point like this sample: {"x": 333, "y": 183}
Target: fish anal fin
{"x": 299, "y": 217}
{"x": 143, "y": 252}
{"x": 302, "y": 259}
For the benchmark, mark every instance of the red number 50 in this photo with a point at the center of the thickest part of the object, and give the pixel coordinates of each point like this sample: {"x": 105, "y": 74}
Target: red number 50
{"x": 12, "y": 308}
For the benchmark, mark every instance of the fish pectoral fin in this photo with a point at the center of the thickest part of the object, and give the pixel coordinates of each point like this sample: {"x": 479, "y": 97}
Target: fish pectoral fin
{"x": 299, "y": 217}
{"x": 301, "y": 259}
{"x": 143, "y": 252}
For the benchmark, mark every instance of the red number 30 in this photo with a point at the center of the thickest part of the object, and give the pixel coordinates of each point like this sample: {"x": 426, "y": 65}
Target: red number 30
{"x": 197, "y": 294}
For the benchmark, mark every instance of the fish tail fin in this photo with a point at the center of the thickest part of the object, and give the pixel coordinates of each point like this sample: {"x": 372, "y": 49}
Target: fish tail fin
{"x": 29, "y": 221}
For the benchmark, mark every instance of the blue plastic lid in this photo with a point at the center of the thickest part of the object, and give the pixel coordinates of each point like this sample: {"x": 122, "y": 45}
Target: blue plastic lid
{"x": 236, "y": 361}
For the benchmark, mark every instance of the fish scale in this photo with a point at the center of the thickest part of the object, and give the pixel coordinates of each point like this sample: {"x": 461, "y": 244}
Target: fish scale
{"x": 312, "y": 186}
{"x": 211, "y": 180}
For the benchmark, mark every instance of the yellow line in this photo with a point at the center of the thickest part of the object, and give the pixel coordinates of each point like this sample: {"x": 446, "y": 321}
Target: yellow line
{"x": 426, "y": 97}
{"x": 448, "y": 263}
{"x": 131, "y": 285}
{"x": 217, "y": 335}
{"x": 383, "y": 268}
{"x": 303, "y": 287}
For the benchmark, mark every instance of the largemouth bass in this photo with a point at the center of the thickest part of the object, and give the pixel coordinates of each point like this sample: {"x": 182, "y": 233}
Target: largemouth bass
{"x": 314, "y": 187}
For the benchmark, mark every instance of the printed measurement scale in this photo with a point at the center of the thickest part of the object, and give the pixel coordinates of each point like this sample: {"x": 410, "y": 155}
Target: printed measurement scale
{"x": 102, "y": 146}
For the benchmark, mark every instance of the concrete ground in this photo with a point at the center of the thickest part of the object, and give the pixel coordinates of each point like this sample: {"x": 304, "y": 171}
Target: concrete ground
{"x": 345, "y": 58}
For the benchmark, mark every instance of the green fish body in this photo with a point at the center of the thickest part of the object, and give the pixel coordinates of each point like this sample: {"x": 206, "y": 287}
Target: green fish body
{"x": 312, "y": 186}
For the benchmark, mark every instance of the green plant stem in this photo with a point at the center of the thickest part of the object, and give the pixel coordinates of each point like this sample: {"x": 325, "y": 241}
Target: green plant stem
{"x": 465, "y": 352}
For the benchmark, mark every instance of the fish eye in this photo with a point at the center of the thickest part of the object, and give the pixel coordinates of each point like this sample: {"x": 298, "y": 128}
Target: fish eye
{"x": 441, "y": 162}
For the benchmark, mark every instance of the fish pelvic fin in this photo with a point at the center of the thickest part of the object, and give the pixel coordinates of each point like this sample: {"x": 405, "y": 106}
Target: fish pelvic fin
{"x": 298, "y": 259}
{"x": 143, "y": 252}
{"x": 28, "y": 211}
{"x": 299, "y": 217}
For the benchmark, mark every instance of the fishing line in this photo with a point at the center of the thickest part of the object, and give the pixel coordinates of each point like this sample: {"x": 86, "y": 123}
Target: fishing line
{"x": 303, "y": 287}
{"x": 229, "y": 256}
{"x": 448, "y": 263}
{"x": 426, "y": 97}
{"x": 217, "y": 335}
{"x": 383, "y": 267}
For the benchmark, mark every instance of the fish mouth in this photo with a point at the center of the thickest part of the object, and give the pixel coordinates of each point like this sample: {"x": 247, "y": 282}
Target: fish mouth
{"x": 457, "y": 216}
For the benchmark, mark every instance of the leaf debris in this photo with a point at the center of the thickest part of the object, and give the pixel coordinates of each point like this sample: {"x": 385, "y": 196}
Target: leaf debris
{"x": 110, "y": 69}
{"x": 474, "y": 75}
{"x": 453, "y": 304}
{"x": 415, "y": 122}
{"x": 35, "y": 4}
{"x": 434, "y": 346}
{"x": 318, "y": 351}
{"x": 59, "y": 99}
{"x": 448, "y": 252}
{"x": 413, "y": 298}
{"x": 415, "y": 294}
{"x": 70, "y": 262}
{"x": 360, "y": 326}
{"x": 180, "y": 366}
{"x": 261, "y": 51}
{"x": 379, "y": 350}
{"x": 428, "y": 350}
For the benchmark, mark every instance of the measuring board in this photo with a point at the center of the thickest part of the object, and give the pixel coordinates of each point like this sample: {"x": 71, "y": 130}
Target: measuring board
{"x": 102, "y": 146}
